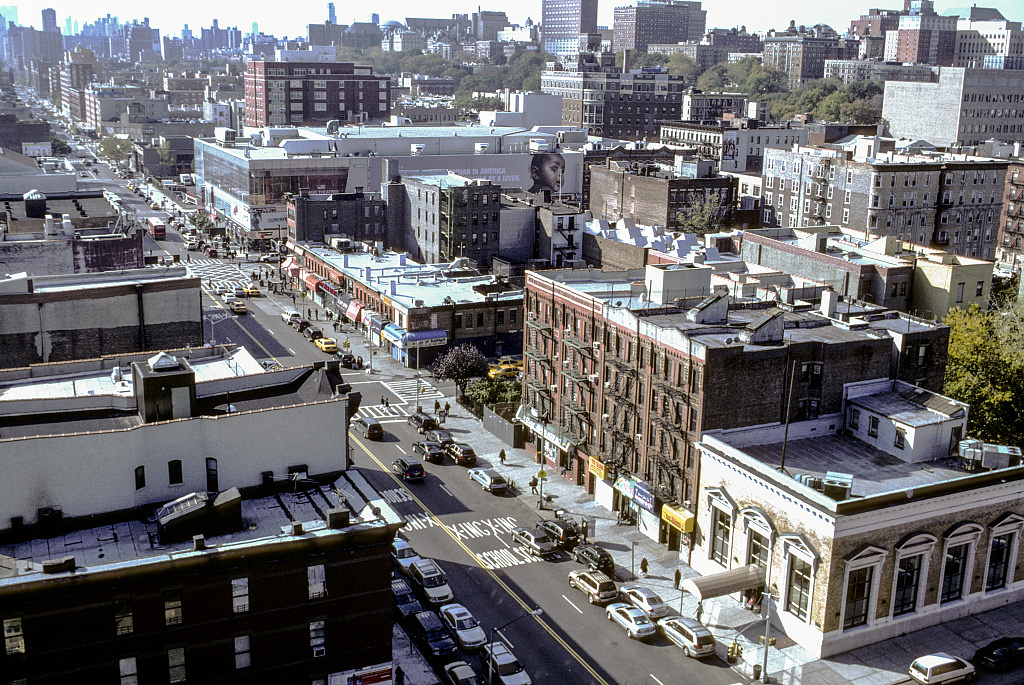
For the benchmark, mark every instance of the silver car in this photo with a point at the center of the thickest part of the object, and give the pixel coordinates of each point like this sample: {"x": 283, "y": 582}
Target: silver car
{"x": 636, "y": 623}
{"x": 464, "y": 626}
{"x": 646, "y": 600}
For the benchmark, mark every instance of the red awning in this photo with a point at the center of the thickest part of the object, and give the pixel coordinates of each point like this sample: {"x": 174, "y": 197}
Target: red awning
{"x": 311, "y": 281}
{"x": 352, "y": 313}
{"x": 288, "y": 263}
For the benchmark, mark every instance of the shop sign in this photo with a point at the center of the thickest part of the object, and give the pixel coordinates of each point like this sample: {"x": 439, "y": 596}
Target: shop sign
{"x": 597, "y": 468}
{"x": 625, "y": 485}
{"x": 677, "y": 518}
{"x": 643, "y": 496}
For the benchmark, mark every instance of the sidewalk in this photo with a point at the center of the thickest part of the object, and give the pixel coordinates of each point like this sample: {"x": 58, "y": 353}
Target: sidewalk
{"x": 883, "y": 663}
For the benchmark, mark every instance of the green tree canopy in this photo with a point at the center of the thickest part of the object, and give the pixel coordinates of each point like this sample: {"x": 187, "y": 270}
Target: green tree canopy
{"x": 117, "y": 149}
{"x": 701, "y": 217}
{"x": 59, "y": 146}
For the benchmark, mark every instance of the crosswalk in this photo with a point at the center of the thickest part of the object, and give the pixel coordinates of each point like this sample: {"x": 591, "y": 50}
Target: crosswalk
{"x": 216, "y": 273}
{"x": 376, "y": 411}
{"x": 405, "y": 390}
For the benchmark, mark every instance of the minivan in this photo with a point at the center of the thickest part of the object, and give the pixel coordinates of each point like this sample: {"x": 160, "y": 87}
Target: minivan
{"x": 290, "y": 316}
{"x": 941, "y": 668}
{"x": 599, "y": 588}
{"x": 432, "y": 635}
{"x": 367, "y": 427}
{"x": 688, "y": 634}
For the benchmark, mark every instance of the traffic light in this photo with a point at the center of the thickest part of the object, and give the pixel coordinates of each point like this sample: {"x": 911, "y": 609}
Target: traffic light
{"x": 735, "y": 651}
{"x": 771, "y": 640}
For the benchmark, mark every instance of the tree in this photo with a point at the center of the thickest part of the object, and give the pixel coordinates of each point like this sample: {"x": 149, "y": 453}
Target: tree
{"x": 684, "y": 65}
{"x": 487, "y": 391}
{"x": 59, "y": 146}
{"x": 984, "y": 369}
{"x": 460, "y": 364}
{"x": 164, "y": 151}
{"x": 701, "y": 217}
{"x": 716, "y": 78}
{"x": 117, "y": 149}
{"x": 763, "y": 80}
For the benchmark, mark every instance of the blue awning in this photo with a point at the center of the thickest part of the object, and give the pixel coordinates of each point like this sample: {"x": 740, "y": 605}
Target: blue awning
{"x": 431, "y": 338}
{"x": 394, "y": 333}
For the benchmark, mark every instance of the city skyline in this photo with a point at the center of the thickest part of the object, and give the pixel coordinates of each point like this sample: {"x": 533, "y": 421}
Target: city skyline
{"x": 756, "y": 16}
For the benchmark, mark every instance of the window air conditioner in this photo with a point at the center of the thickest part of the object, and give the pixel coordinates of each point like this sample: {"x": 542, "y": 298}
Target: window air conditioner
{"x": 597, "y": 346}
{"x": 604, "y": 417}
{"x": 319, "y": 651}
{"x": 565, "y": 362}
{"x": 593, "y": 378}
{"x": 553, "y": 388}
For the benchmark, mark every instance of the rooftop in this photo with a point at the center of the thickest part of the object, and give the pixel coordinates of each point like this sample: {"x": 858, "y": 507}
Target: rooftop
{"x": 136, "y": 542}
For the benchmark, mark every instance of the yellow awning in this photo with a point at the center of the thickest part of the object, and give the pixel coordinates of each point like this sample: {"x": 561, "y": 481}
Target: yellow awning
{"x": 677, "y": 518}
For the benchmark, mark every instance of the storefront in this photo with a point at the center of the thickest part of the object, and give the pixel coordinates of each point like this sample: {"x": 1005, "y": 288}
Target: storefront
{"x": 596, "y": 473}
{"x": 551, "y": 444}
{"x": 310, "y": 281}
{"x": 647, "y": 510}
{"x": 329, "y": 294}
{"x": 372, "y": 323}
{"x": 426, "y": 346}
{"x": 392, "y": 340}
{"x": 353, "y": 310}
{"x": 676, "y": 528}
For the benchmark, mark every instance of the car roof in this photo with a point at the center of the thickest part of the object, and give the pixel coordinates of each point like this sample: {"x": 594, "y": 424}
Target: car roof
{"x": 399, "y": 543}
{"x": 933, "y": 660}
{"x": 456, "y": 610}
{"x": 693, "y": 624}
{"x": 645, "y": 591}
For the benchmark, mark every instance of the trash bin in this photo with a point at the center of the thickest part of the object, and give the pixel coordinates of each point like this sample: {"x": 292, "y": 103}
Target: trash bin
{"x": 757, "y": 671}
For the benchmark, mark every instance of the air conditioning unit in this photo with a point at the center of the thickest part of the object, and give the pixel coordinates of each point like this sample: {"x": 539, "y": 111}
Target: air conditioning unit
{"x": 568, "y": 331}
{"x": 639, "y": 437}
{"x": 604, "y": 417}
{"x": 565, "y": 362}
{"x": 687, "y": 504}
{"x": 607, "y": 385}
{"x": 533, "y": 316}
{"x": 597, "y": 346}
{"x": 319, "y": 651}
{"x": 593, "y": 378}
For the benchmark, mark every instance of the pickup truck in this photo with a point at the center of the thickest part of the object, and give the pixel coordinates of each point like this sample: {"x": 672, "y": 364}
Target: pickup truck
{"x": 535, "y": 540}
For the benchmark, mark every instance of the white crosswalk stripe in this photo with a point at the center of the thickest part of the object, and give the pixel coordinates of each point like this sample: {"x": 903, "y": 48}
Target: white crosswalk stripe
{"x": 375, "y": 411}
{"x": 216, "y": 274}
{"x": 406, "y": 390}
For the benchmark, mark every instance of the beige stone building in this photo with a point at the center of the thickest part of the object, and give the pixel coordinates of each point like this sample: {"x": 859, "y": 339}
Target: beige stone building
{"x": 863, "y": 525}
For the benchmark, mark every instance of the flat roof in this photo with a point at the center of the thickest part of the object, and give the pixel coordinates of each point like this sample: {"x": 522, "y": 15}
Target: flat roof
{"x": 431, "y": 283}
{"x": 133, "y": 542}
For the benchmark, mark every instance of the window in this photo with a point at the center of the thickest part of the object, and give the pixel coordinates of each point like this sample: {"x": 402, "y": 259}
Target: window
{"x": 240, "y": 595}
{"x": 176, "y": 664}
{"x": 900, "y": 441}
{"x": 873, "y": 426}
{"x": 129, "y": 671}
{"x": 979, "y": 289}
{"x": 317, "y": 581}
{"x": 140, "y": 477}
{"x": 124, "y": 621}
{"x": 721, "y": 527}
{"x": 908, "y": 582}
{"x": 854, "y": 420}
{"x": 998, "y": 561}
{"x": 172, "y": 608}
{"x": 479, "y": 319}
{"x": 14, "y": 638}
{"x": 798, "y": 584}
{"x": 953, "y": 573}
{"x": 757, "y": 554}
{"x": 959, "y": 292}
{"x": 317, "y": 638}
{"x": 858, "y": 595}
{"x": 242, "y": 651}
{"x": 212, "y": 481}
{"x": 174, "y": 476}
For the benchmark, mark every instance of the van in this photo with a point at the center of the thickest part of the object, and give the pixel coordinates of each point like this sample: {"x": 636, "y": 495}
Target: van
{"x": 290, "y": 316}
{"x": 368, "y": 428}
{"x": 599, "y": 588}
{"x": 688, "y": 634}
{"x": 941, "y": 668}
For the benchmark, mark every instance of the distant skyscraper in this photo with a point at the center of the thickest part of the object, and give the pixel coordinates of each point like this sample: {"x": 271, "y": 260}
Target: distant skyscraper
{"x": 565, "y": 22}
{"x": 67, "y": 26}
{"x": 255, "y": 29}
{"x": 331, "y": 16}
{"x": 375, "y": 19}
{"x": 49, "y": 19}
{"x": 10, "y": 13}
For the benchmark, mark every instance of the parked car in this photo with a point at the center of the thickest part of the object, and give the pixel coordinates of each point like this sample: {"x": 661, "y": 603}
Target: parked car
{"x": 403, "y": 554}
{"x": 251, "y": 291}
{"x": 329, "y": 345}
{"x": 240, "y": 291}
{"x": 464, "y": 626}
{"x": 300, "y": 325}
{"x": 312, "y": 333}
{"x": 535, "y": 540}
{"x": 645, "y": 599}
{"x": 565, "y": 534}
{"x": 429, "y": 579}
{"x": 499, "y": 661}
{"x": 688, "y": 634}
{"x": 434, "y": 640}
{"x": 238, "y": 307}
{"x": 408, "y": 469}
{"x": 460, "y": 673}
{"x": 596, "y": 558}
{"x": 598, "y": 587}
{"x": 430, "y": 451}
{"x": 422, "y": 422}
{"x": 1006, "y": 652}
{"x": 636, "y": 623}
{"x": 290, "y": 316}
{"x": 496, "y": 371}
{"x": 490, "y": 480}
{"x": 404, "y": 600}
{"x": 270, "y": 258}
{"x": 461, "y": 453}
{"x": 941, "y": 668}
{"x": 367, "y": 427}
{"x": 347, "y": 359}
{"x": 441, "y": 437}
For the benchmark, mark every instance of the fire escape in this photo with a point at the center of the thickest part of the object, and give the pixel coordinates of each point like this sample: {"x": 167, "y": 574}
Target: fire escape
{"x": 669, "y": 416}
{"x": 564, "y": 247}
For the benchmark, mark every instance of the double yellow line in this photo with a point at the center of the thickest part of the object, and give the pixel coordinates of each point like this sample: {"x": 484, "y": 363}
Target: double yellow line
{"x": 494, "y": 576}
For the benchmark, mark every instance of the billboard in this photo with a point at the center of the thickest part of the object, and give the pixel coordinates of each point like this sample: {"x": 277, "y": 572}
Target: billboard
{"x": 729, "y": 141}
{"x": 558, "y": 172}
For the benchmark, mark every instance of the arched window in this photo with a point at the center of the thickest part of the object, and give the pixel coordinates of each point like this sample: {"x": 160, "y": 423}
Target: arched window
{"x": 913, "y": 554}
{"x": 961, "y": 542}
{"x": 1004, "y": 539}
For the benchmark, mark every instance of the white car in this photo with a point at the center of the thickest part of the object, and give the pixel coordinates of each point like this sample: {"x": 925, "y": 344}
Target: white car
{"x": 645, "y": 599}
{"x": 403, "y": 554}
{"x": 636, "y": 623}
{"x": 464, "y": 626}
{"x": 941, "y": 668}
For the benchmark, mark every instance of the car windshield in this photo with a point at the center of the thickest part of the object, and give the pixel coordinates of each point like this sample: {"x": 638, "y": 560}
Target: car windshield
{"x": 640, "y": 619}
{"x": 404, "y": 597}
{"x": 406, "y": 552}
{"x": 654, "y": 599}
{"x": 433, "y": 581}
{"x": 436, "y": 634}
{"x": 466, "y": 623}
{"x": 509, "y": 667}
{"x": 498, "y": 479}
{"x": 705, "y": 640}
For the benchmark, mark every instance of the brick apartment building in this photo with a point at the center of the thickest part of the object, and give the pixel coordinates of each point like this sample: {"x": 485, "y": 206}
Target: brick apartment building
{"x": 625, "y": 370}
{"x": 318, "y": 217}
{"x": 943, "y": 202}
{"x": 802, "y": 56}
{"x": 313, "y": 93}
{"x": 1010, "y": 252}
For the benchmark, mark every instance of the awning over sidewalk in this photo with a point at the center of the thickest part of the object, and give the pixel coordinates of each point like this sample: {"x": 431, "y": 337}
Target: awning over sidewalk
{"x": 311, "y": 281}
{"x": 544, "y": 429}
{"x": 353, "y": 309}
{"x": 725, "y": 583}
{"x": 431, "y": 338}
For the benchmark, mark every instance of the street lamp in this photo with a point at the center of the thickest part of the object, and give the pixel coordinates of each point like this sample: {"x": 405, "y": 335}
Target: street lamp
{"x": 490, "y": 661}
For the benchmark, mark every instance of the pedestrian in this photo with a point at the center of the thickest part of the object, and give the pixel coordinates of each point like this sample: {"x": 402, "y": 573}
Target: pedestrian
{"x": 700, "y": 610}
{"x": 643, "y": 567}
{"x": 309, "y": 315}
{"x": 676, "y": 578}
{"x": 382, "y": 400}
{"x": 316, "y": 315}
{"x": 399, "y": 676}
{"x": 437, "y": 406}
{"x": 387, "y": 403}
{"x": 447, "y": 408}
{"x": 533, "y": 485}
{"x": 501, "y": 456}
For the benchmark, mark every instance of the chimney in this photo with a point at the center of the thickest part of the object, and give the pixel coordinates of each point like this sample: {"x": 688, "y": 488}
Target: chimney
{"x": 401, "y": 259}
{"x": 199, "y": 542}
{"x": 829, "y": 300}
{"x": 338, "y": 518}
{"x": 394, "y": 287}
{"x": 296, "y": 527}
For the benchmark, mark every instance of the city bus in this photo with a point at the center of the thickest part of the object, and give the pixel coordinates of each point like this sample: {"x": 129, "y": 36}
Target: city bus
{"x": 157, "y": 228}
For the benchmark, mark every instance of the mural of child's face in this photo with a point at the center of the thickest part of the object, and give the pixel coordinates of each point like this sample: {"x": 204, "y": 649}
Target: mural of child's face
{"x": 549, "y": 172}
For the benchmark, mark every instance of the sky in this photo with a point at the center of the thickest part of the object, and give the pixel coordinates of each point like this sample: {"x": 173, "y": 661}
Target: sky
{"x": 291, "y": 18}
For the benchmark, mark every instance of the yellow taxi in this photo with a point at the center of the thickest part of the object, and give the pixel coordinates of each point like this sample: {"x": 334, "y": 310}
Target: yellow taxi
{"x": 502, "y": 370}
{"x": 518, "y": 363}
{"x": 328, "y": 345}
{"x": 238, "y": 307}
{"x": 251, "y": 290}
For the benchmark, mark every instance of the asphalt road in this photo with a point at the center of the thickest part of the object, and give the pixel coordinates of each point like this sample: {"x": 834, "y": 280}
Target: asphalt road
{"x": 465, "y": 528}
